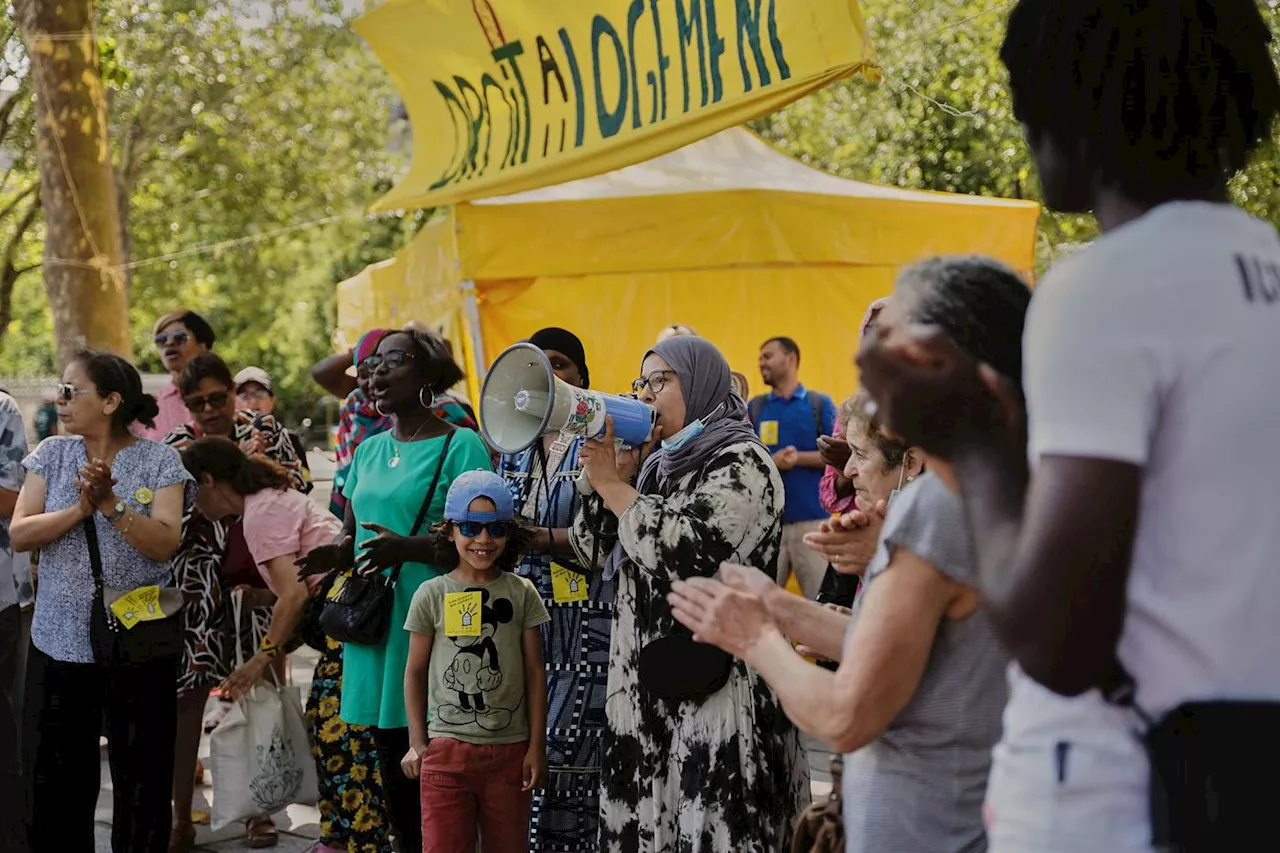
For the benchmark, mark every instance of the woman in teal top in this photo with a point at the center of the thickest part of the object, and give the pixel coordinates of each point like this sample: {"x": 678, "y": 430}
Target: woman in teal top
{"x": 385, "y": 488}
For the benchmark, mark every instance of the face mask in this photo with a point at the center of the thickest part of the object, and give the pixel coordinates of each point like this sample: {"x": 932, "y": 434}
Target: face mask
{"x": 689, "y": 433}
{"x": 684, "y": 436}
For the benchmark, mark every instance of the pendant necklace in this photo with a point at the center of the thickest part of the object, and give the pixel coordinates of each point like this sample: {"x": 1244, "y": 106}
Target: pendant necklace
{"x": 394, "y": 461}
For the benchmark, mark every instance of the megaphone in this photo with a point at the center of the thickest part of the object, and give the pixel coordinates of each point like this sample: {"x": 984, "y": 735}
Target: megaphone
{"x": 523, "y": 400}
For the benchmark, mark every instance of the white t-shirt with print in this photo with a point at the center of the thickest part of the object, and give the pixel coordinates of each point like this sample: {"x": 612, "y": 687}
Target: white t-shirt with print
{"x": 1160, "y": 346}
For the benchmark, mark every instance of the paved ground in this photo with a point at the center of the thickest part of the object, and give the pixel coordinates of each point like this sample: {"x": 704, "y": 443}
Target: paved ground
{"x": 300, "y": 825}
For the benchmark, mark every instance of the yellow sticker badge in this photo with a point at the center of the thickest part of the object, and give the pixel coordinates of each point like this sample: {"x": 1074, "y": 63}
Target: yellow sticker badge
{"x": 769, "y": 433}
{"x": 462, "y": 615}
{"x": 144, "y": 496}
{"x": 139, "y": 605}
{"x": 567, "y": 585}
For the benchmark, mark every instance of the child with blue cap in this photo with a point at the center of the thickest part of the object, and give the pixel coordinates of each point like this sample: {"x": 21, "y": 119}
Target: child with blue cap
{"x": 475, "y": 663}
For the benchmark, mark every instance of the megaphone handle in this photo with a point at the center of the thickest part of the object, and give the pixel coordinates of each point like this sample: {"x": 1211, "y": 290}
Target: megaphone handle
{"x": 583, "y": 482}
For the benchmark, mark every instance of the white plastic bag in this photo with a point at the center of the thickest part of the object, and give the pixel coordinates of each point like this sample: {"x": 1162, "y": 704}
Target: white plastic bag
{"x": 260, "y": 754}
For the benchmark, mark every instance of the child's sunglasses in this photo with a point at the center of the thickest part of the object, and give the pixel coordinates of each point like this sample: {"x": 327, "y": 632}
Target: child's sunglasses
{"x": 472, "y": 529}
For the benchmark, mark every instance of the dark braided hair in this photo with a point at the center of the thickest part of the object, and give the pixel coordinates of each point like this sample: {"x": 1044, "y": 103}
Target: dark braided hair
{"x": 1166, "y": 98}
{"x": 979, "y": 302}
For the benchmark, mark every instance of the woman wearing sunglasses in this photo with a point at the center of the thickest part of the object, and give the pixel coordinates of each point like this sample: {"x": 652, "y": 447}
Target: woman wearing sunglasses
{"x": 213, "y": 560}
{"x": 133, "y": 492}
{"x": 387, "y": 487}
{"x": 179, "y": 337}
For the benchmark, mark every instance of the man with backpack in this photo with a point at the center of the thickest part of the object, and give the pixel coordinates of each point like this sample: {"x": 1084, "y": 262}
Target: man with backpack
{"x": 789, "y": 420}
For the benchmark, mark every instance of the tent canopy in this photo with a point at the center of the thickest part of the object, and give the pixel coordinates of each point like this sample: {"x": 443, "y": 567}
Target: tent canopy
{"x": 727, "y": 235}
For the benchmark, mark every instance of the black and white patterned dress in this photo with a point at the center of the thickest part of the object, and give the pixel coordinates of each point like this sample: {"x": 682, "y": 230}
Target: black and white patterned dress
{"x": 727, "y": 774}
{"x": 208, "y": 657}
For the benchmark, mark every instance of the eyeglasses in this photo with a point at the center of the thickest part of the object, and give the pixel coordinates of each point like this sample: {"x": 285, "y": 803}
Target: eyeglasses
{"x": 66, "y": 392}
{"x": 472, "y": 529}
{"x": 195, "y": 405}
{"x": 259, "y": 394}
{"x": 392, "y": 360}
{"x": 176, "y": 338}
{"x": 655, "y": 381}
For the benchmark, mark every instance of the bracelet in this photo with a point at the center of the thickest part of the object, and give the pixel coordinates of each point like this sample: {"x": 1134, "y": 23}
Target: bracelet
{"x": 129, "y": 525}
{"x": 270, "y": 649}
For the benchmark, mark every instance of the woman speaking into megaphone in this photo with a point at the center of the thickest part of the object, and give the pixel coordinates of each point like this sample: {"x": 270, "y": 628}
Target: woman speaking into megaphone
{"x": 696, "y": 746}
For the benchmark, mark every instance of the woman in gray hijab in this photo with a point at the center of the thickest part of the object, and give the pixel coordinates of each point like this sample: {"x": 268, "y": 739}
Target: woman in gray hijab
{"x": 698, "y": 755}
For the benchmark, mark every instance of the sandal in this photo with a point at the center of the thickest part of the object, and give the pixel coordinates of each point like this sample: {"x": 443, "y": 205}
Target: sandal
{"x": 182, "y": 838}
{"x": 260, "y": 833}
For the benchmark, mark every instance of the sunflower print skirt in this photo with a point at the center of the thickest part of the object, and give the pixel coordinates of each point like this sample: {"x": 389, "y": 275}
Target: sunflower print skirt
{"x": 353, "y": 816}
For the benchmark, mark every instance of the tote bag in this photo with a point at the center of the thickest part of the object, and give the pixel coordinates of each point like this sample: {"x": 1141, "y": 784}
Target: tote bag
{"x": 260, "y": 754}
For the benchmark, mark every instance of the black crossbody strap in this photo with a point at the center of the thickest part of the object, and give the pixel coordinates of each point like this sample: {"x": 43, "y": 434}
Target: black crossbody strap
{"x": 426, "y": 503}
{"x": 95, "y": 555}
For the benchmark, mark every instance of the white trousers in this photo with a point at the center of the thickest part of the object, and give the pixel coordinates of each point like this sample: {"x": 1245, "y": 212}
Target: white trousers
{"x": 1082, "y": 795}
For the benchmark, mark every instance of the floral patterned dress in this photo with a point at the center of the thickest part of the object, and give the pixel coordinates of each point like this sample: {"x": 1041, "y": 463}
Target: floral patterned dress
{"x": 726, "y": 774}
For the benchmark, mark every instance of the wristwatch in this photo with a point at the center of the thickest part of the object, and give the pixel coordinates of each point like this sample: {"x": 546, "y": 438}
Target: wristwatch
{"x": 117, "y": 512}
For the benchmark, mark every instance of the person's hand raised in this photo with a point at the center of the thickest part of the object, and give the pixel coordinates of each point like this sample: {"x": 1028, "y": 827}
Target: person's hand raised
{"x": 720, "y": 615}
{"x": 835, "y": 451}
{"x": 326, "y": 558}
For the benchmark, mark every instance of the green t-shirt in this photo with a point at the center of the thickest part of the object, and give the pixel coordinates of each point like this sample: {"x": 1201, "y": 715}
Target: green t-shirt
{"x": 475, "y": 685}
{"x": 373, "y": 676}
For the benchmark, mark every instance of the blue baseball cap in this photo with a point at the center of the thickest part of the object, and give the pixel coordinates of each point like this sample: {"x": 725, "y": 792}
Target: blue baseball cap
{"x": 478, "y": 484}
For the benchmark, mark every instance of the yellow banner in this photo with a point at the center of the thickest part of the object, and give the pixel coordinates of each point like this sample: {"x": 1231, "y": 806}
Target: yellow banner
{"x": 511, "y": 95}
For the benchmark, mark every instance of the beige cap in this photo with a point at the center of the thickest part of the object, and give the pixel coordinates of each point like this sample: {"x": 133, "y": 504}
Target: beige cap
{"x": 254, "y": 374}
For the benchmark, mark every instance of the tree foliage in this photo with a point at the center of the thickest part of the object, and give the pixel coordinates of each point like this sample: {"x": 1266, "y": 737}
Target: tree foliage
{"x": 943, "y": 119}
{"x": 248, "y": 139}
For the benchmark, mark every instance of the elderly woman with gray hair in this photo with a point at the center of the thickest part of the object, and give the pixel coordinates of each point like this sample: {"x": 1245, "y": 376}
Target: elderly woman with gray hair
{"x": 698, "y": 755}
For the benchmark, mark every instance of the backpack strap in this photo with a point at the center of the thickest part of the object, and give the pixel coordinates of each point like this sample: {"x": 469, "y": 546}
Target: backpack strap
{"x": 755, "y": 407}
{"x": 818, "y": 401}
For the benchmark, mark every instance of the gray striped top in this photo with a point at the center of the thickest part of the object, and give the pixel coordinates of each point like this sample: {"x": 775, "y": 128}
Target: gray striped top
{"x": 920, "y": 786}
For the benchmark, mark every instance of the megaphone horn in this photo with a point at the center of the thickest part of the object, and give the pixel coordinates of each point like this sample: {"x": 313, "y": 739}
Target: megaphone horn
{"x": 523, "y": 400}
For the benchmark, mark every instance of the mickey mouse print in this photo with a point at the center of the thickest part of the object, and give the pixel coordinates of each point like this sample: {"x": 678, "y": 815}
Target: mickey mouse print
{"x": 475, "y": 682}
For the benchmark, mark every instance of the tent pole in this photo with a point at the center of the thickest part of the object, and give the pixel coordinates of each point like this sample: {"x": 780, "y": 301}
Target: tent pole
{"x": 472, "y": 308}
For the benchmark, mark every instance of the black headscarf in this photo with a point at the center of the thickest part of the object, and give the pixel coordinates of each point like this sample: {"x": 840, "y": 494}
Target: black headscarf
{"x": 567, "y": 344}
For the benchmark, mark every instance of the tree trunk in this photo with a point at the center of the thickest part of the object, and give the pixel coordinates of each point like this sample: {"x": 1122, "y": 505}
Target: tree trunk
{"x": 83, "y": 250}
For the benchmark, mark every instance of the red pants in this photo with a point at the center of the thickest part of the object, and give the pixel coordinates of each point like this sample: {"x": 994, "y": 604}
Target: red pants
{"x": 468, "y": 787}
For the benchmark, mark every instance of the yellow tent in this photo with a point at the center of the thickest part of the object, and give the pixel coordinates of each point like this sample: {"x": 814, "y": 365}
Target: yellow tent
{"x": 726, "y": 235}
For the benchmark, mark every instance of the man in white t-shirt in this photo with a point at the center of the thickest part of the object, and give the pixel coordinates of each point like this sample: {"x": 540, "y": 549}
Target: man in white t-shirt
{"x": 1135, "y": 519}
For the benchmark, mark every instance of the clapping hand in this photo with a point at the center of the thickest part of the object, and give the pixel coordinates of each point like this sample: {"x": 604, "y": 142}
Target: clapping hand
{"x": 786, "y": 458}
{"x": 719, "y": 614}
{"x": 97, "y": 486}
{"x": 849, "y": 541}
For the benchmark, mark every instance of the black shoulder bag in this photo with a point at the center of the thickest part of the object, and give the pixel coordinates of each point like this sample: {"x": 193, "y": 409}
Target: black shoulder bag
{"x": 157, "y": 635}
{"x": 358, "y": 607}
{"x": 1213, "y": 784}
